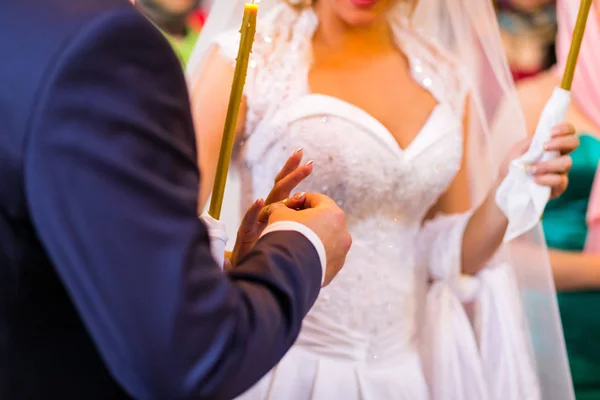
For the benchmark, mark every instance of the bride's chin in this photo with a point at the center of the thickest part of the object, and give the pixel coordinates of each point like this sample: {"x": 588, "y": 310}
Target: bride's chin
{"x": 362, "y": 16}
{"x": 361, "y": 19}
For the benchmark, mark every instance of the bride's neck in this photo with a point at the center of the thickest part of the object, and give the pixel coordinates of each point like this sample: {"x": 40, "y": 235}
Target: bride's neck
{"x": 339, "y": 37}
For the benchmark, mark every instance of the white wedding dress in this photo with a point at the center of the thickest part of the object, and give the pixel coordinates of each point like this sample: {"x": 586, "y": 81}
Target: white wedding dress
{"x": 364, "y": 337}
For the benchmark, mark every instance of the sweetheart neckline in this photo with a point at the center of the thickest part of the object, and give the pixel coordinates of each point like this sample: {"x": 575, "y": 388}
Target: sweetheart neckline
{"x": 311, "y": 105}
{"x": 367, "y": 115}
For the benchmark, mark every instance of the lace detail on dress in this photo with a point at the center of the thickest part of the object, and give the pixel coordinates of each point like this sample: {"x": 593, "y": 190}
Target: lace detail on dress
{"x": 280, "y": 46}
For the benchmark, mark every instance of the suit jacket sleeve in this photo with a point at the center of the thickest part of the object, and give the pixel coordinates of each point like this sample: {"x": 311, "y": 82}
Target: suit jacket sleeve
{"x": 112, "y": 183}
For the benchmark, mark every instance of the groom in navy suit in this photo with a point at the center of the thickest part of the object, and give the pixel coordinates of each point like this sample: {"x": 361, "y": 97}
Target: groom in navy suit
{"x": 107, "y": 286}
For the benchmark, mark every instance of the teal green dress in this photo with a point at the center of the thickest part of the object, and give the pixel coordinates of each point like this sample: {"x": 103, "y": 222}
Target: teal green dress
{"x": 565, "y": 229}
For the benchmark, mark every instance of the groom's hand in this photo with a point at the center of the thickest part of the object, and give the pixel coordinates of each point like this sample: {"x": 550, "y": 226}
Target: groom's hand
{"x": 325, "y": 218}
{"x": 290, "y": 176}
{"x": 253, "y": 225}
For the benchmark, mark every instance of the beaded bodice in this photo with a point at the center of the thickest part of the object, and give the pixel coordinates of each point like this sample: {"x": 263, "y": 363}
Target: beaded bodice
{"x": 384, "y": 190}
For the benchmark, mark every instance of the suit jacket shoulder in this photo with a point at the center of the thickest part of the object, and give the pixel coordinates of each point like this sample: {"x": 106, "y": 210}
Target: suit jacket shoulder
{"x": 35, "y": 38}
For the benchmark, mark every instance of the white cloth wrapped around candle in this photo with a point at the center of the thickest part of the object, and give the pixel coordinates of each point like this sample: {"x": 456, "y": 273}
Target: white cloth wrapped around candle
{"x": 217, "y": 231}
{"x": 521, "y": 199}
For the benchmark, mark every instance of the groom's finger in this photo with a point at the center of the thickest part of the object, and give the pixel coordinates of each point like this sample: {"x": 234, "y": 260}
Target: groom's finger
{"x": 314, "y": 200}
{"x": 295, "y": 202}
{"x": 265, "y": 213}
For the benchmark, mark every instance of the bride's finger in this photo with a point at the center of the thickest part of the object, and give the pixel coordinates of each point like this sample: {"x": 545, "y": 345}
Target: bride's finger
{"x": 284, "y": 187}
{"x": 290, "y": 165}
{"x": 227, "y": 266}
{"x": 249, "y": 221}
{"x": 558, "y": 165}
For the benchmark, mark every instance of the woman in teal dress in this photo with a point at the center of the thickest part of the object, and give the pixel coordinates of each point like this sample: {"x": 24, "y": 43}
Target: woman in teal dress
{"x": 576, "y": 273}
{"x": 575, "y": 266}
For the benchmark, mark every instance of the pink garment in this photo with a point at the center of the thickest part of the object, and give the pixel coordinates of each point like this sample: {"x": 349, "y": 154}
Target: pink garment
{"x": 592, "y": 244}
{"x": 586, "y": 89}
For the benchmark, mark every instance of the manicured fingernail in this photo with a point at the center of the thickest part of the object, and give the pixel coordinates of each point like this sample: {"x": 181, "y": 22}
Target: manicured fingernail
{"x": 533, "y": 169}
{"x": 259, "y": 201}
{"x": 298, "y": 196}
{"x": 311, "y": 162}
{"x": 299, "y": 150}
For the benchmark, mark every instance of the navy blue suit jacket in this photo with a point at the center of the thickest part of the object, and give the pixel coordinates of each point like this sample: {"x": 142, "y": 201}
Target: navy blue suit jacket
{"x": 107, "y": 286}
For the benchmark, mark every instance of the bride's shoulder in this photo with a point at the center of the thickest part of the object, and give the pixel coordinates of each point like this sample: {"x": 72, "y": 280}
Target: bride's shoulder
{"x": 445, "y": 75}
{"x": 445, "y": 60}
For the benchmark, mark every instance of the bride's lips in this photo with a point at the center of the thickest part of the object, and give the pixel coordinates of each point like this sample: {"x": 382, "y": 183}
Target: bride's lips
{"x": 364, "y": 3}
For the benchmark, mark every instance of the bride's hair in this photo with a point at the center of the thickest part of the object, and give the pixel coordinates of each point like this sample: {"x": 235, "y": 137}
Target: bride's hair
{"x": 302, "y": 4}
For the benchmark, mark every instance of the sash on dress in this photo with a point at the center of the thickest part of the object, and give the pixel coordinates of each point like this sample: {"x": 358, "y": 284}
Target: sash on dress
{"x": 488, "y": 357}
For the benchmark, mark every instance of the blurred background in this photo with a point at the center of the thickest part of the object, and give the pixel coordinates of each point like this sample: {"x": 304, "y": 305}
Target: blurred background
{"x": 180, "y": 20}
{"x": 528, "y": 29}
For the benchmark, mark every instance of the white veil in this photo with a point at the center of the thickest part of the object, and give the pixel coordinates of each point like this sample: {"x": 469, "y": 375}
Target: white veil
{"x": 469, "y": 30}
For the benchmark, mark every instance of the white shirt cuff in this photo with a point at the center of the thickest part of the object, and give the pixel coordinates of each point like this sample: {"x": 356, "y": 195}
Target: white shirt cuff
{"x": 308, "y": 233}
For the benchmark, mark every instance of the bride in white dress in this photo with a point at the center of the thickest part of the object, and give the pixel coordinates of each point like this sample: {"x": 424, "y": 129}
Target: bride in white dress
{"x": 385, "y": 111}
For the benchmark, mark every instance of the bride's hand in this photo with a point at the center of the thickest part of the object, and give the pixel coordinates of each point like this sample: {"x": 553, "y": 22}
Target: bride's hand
{"x": 290, "y": 176}
{"x": 552, "y": 173}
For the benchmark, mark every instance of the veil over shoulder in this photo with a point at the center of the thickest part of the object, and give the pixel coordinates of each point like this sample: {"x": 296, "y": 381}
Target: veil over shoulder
{"x": 518, "y": 334}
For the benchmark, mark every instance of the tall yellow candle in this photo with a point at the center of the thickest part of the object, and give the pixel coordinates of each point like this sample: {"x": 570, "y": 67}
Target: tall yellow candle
{"x": 247, "y": 31}
{"x": 582, "y": 17}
